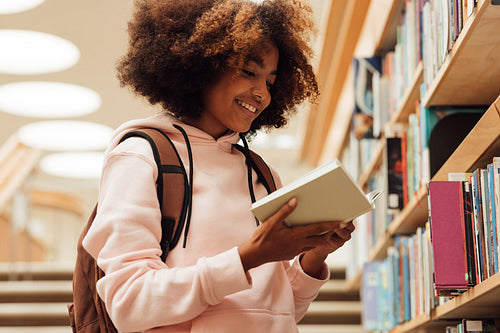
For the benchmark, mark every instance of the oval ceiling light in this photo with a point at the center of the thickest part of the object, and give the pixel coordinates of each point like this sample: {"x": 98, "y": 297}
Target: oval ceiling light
{"x": 48, "y": 99}
{"x": 16, "y": 6}
{"x": 78, "y": 165}
{"x": 27, "y": 52}
{"x": 65, "y": 135}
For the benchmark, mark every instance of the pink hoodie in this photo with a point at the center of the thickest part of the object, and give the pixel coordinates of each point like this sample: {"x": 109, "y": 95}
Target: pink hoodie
{"x": 203, "y": 287}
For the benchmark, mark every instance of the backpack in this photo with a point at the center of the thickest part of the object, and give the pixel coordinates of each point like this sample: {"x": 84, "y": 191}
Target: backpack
{"x": 87, "y": 313}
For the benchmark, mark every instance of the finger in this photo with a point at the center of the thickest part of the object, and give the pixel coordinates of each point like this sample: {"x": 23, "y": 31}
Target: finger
{"x": 344, "y": 234}
{"x": 318, "y": 229}
{"x": 351, "y": 227}
{"x": 284, "y": 211}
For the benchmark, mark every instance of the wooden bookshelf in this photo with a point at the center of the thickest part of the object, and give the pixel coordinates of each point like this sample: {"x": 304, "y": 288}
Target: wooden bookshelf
{"x": 412, "y": 94}
{"x": 388, "y": 37}
{"x": 481, "y": 301}
{"x": 470, "y": 75}
{"x": 481, "y": 144}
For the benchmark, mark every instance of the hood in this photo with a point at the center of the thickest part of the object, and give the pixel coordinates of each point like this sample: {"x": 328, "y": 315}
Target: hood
{"x": 165, "y": 122}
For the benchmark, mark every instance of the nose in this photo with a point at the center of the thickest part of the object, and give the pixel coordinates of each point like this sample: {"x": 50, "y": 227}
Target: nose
{"x": 260, "y": 91}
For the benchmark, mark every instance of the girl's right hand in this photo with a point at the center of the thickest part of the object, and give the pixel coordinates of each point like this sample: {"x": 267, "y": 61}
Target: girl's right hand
{"x": 273, "y": 241}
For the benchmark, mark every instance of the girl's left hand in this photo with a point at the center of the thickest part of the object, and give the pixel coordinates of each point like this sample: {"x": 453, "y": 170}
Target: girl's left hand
{"x": 312, "y": 261}
{"x": 336, "y": 239}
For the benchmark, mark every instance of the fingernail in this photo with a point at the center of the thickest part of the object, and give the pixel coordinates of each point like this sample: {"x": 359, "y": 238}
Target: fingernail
{"x": 292, "y": 202}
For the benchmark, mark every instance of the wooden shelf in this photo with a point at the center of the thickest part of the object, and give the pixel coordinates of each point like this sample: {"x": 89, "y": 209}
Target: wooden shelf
{"x": 481, "y": 301}
{"x": 373, "y": 165}
{"x": 470, "y": 75}
{"x": 477, "y": 149}
{"x": 412, "y": 94}
{"x": 389, "y": 34}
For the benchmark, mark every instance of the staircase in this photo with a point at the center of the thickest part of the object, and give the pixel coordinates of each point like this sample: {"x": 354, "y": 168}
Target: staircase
{"x": 33, "y": 299}
{"x": 335, "y": 310}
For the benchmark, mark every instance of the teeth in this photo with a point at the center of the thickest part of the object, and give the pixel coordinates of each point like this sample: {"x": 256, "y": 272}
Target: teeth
{"x": 247, "y": 106}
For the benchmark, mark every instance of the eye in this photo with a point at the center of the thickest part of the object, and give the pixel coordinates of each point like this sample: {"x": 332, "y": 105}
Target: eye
{"x": 247, "y": 73}
{"x": 269, "y": 85}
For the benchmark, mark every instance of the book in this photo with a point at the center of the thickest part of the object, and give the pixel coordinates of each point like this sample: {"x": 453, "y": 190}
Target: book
{"x": 478, "y": 225}
{"x": 496, "y": 195}
{"x": 468, "y": 232}
{"x": 370, "y": 292}
{"x": 492, "y": 216}
{"x": 327, "y": 193}
{"x": 446, "y": 213}
{"x": 394, "y": 174}
{"x": 481, "y": 325}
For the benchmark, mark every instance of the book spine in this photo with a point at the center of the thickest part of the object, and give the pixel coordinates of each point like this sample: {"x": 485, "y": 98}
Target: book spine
{"x": 478, "y": 230}
{"x": 496, "y": 185}
{"x": 492, "y": 217}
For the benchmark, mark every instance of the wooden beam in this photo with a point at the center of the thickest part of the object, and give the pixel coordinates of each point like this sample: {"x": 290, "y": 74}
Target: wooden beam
{"x": 57, "y": 200}
{"x": 17, "y": 161}
{"x": 346, "y": 32}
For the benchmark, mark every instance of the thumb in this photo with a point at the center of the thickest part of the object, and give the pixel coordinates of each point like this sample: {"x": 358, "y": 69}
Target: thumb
{"x": 284, "y": 211}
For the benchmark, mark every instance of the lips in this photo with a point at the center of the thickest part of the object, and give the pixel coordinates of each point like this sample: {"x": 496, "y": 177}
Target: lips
{"x": 247, "y": 106}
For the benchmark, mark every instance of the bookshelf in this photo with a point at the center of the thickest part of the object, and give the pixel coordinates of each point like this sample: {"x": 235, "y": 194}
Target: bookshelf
{"x": 460, "y": 83}
{"x": 469, "y": 75}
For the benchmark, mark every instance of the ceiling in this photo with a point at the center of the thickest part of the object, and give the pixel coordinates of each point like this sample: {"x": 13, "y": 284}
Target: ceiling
{"x": 98, "y": 29}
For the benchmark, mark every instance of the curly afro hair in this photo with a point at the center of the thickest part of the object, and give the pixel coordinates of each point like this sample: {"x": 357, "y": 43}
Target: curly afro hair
{"x": 177, "y": 48}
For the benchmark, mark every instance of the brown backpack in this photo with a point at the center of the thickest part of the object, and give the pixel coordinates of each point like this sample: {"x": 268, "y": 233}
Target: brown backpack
{"x": 87, "y": 313}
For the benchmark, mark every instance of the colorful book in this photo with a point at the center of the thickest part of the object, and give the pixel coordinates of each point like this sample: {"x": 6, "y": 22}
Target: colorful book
{"x": 487, "y": 228}
{"x": 492, "y": 216}
{"x": 370, "y": 295}
{"x": 394, "y": 174}
{"x": 449, "y": 250}
{"x": 468, "y": 234}
{"x": 478, "y": 225}
{"x": 496, "y": 185}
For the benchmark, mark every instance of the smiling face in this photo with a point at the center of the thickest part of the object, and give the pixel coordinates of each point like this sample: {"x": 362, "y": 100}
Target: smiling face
{"x": 238, "y": 96}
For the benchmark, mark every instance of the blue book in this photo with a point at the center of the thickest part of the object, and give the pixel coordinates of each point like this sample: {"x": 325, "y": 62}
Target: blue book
{"x": 370, "y": 296}
{"x": 487, "y": 226}
{"x": 406, "y": 280}
{"x": 395, "y": 256}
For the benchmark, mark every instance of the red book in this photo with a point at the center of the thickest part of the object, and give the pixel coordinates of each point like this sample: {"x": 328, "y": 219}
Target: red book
{"x": 448, "y": 243}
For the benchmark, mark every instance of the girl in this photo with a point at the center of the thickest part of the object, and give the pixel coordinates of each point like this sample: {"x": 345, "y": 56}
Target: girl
{"x": 217, "y": 68}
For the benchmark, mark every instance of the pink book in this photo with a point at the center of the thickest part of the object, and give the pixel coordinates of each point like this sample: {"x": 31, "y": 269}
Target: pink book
{"x": 447, "y": 223}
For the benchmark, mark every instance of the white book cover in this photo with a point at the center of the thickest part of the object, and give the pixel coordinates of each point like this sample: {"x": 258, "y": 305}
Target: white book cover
{"x": 327, "y": 193}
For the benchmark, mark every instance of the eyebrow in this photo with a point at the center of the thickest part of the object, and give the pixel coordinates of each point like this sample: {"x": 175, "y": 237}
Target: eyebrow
{"x": 260, "y": 63}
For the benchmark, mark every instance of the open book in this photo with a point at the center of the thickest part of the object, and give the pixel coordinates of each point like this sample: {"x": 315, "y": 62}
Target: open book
{"x": 327, "y": 193}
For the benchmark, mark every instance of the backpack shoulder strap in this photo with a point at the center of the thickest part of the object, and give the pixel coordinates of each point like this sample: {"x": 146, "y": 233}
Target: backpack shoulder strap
{"x": 172, "y": 186}
{"x": 263, "y": 171}
{"x": 88, "y": 313}
{"x": 258, "y": 164}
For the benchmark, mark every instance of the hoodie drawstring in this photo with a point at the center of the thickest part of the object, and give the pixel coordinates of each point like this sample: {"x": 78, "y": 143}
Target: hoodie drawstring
{"x": 246, "y": 152}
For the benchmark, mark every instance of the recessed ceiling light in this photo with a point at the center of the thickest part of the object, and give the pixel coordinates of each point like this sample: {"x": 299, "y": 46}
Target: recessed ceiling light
{"x": 81, "y": 165}
{"x": 16, "y": 6}
{"x": 48, "y": 99}
{"x": 27, "y": 52}
{"x": 65, "y": 135}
